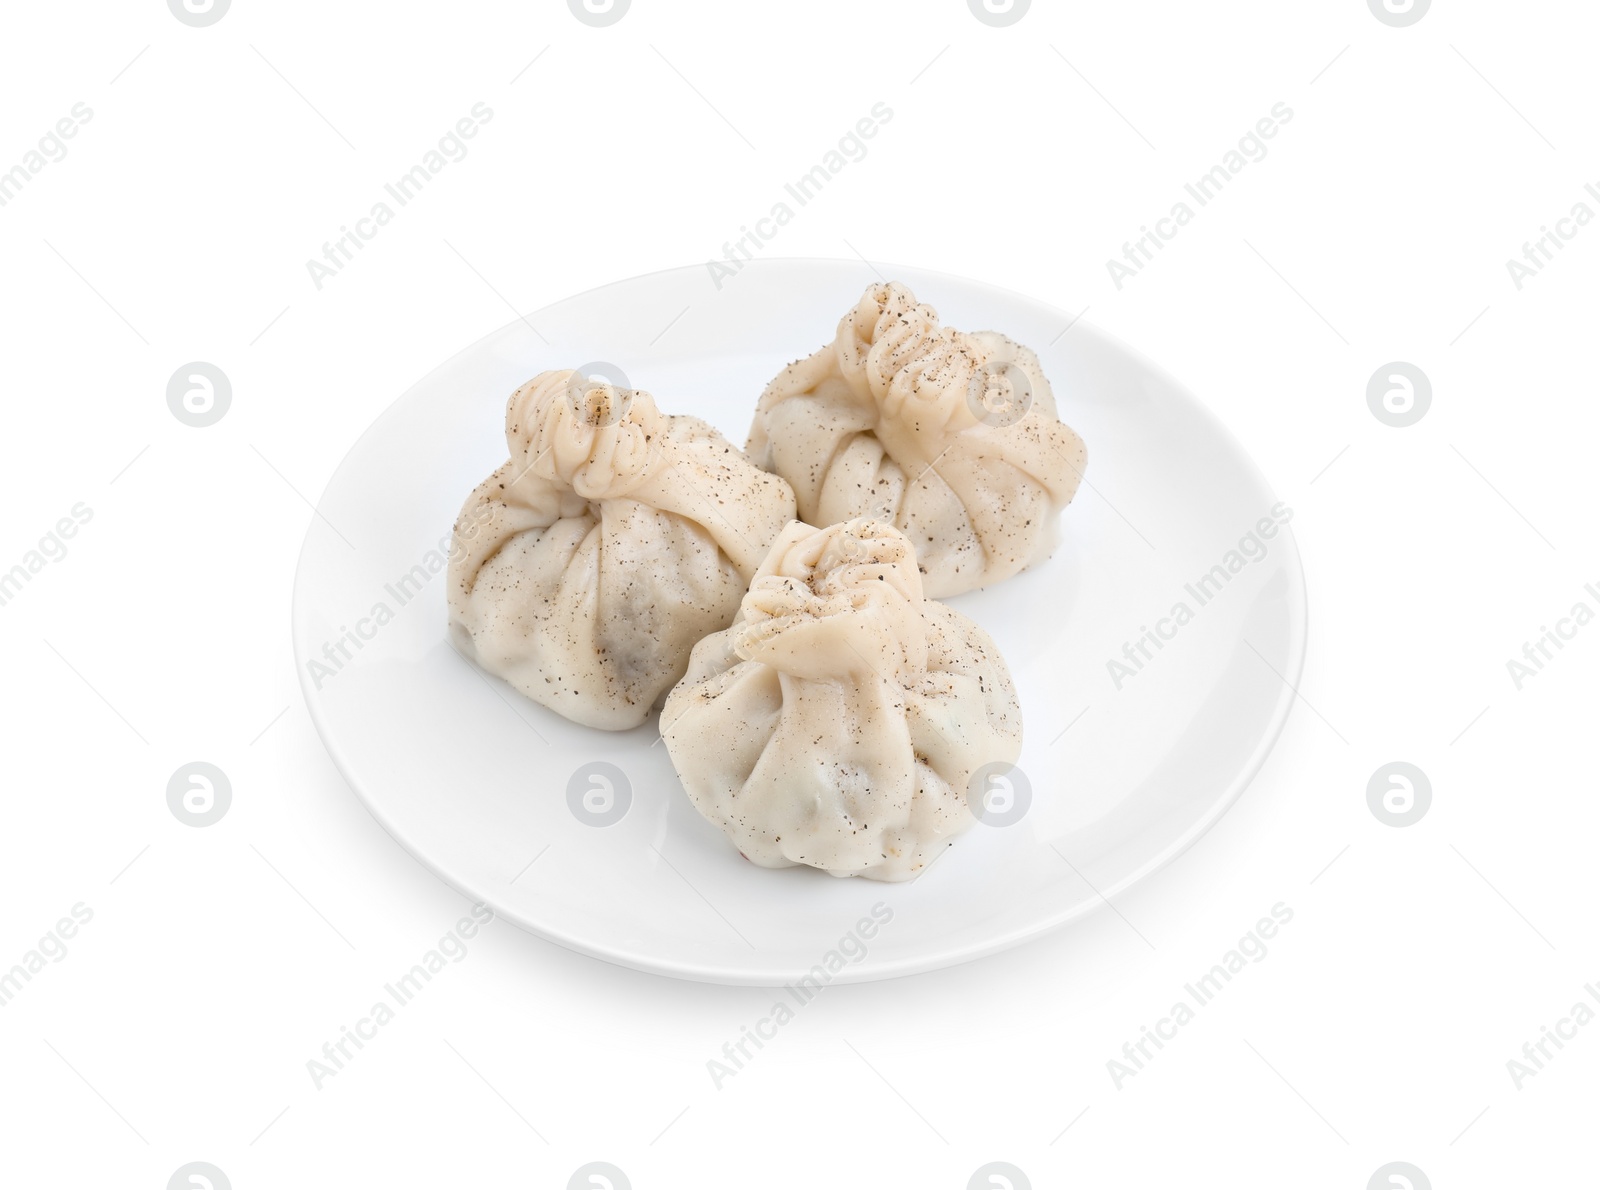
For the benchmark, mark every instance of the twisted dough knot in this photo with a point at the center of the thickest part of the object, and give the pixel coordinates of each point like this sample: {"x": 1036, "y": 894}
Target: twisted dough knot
{"x": 917, "y": 371}
{"x": 598, "y": 440}
{"x": 841, "y": 599}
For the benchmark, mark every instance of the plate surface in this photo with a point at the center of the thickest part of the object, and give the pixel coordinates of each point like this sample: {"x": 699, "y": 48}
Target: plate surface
{"x": 1132, "y": 750}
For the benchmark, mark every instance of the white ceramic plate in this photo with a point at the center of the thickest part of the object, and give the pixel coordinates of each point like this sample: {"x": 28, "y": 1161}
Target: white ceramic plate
{"x": 1125, "y": 772}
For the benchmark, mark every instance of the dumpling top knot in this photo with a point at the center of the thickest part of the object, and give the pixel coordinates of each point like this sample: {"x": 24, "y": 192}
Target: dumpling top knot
{"x": 850, "y": 559}
{"x": 599, "y": 440}
{"x": 919, "y": 373}
{"x": 834, "y": 602}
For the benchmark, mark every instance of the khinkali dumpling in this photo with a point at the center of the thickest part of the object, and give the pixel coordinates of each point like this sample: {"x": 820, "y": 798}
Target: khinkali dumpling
{"x": 839, "y": 721}
{"x": 586, "y": 568}
{"x": 952, "y": 437}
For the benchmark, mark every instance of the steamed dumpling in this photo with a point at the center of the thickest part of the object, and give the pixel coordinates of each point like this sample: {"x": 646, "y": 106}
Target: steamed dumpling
{"x": 585, "y": 569}
{"x": 839, "y": 721}
{"x": 950, "y": 436}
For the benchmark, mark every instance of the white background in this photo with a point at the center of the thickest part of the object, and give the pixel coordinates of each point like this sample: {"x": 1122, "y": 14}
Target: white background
{"x": 1377, "y": 228}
